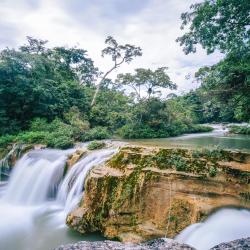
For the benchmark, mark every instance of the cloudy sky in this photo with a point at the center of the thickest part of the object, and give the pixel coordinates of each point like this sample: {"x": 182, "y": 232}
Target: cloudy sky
{"x": 151, "y": 24}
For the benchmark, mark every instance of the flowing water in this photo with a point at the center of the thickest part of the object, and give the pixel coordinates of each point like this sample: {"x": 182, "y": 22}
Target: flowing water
{"x": 35, "y": 201}
{"x": 37, "y": 197}
{"x": 225, "y": 225}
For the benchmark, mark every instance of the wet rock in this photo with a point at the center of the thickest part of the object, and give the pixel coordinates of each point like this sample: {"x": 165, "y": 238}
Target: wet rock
{"x": 75, "y": 157}
{"x": 158, "y": 244}
{"x": 240, "y": 244}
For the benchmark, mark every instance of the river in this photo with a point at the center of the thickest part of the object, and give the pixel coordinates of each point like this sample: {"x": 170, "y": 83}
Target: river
{"x": 36, "y": 199}
{"x": 219, "y": 137}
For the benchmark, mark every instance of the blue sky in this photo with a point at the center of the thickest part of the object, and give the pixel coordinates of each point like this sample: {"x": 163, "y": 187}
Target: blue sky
{"x": 151, "y": 24}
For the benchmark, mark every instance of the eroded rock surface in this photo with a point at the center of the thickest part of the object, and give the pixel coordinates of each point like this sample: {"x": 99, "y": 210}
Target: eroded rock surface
{"x": 159, "y": 244}
{"x": 145, "y": 193}
{"x": 241, "y": 244}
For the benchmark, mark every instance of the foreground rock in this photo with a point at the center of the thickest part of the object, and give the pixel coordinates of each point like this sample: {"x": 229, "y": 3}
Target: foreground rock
{"x": 159, "y": 244}
{"x": 241, "y": 244}
{"x": 144, "y": 193}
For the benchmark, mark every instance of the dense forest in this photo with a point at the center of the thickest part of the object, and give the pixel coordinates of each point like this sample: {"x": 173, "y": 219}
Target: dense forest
{"x": 57, "y": 96}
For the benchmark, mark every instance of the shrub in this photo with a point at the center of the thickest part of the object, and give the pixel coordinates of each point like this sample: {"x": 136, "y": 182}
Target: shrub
{"x": 97, "y": 133}
{"x": 96, "y": 145}
{"x": 55, "y": 134}
{"x": 39, "y": 124}
{"x": 6, "y": 139}
{"x": 130, "y": 131}
{"x": 240, "y": 130}
{"x": 32, "y": 137}
{"x": 62, "y": 142}
{"x": 199, "y": 129}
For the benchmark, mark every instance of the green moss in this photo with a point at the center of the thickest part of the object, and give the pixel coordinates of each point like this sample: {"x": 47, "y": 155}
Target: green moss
{"x": 243, "y": 177}
{"x": 245, "y": 196}
{"x": 212, "y": 171}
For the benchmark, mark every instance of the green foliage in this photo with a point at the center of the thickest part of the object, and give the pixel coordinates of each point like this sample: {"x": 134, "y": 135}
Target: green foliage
{"x": 240, "y": 130}
{"x": 96, "y": 145}
{"x": 150, "y": 80}
{"x": 212, "y": 171}
{"x": 97, "y": 133}
{"x": 55, "y": 134}
{"x": 219, "y": 24}
{"x": 120, "y": 54}
{"x": 154, "y": 118}
{"x": 222, "y": 25}
{"x": 5, "y": 140}
{"x": 199, "y": 128}
{"x": 39, "y": 82}
{"x": 213, "y": 154}
{"x": 46, "y": 93}
{"x": 61, "y": 141}
{"x": 111, "y": 109}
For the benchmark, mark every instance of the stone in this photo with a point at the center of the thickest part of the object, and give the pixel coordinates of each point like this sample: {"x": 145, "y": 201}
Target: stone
{"x": 75, "y": 157}
{"x": 240, "y": 244}
{"x": 146, "y": 193}
{"x": 158, "y": 244}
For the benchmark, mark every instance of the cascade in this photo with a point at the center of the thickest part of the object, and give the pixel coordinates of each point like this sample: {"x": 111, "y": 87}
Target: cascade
{"x": 226, "y": 224}
{"x": 35, "y": 176}
{"x": 70, "y": 191}
{"x": 37, "y": 197}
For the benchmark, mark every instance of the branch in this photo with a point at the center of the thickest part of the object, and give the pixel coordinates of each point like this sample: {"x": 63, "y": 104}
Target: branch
{"x": 116, "y": 65}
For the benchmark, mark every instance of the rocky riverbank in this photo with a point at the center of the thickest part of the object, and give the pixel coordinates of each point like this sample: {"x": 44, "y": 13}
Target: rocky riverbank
{"x": 146, "y": 193}
{"x": 159, "y": 244}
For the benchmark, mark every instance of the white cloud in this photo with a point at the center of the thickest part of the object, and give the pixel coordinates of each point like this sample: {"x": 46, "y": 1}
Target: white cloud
{"x": 154, "y": 26}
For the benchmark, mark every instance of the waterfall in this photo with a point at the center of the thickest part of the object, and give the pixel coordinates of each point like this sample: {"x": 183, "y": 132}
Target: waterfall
{"x": 35, "y": 176}
{"x": 36, "y": 199}
{"x": 38, "y": 174}
{"x": 6, "y": 162}
{"x": 225, "y": 225}
{"x": 70, "y": 191}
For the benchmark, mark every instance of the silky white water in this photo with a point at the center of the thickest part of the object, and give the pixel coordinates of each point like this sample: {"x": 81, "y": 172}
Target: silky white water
{"x": 35, "y": 201}
{"x": 70, "y": 193}
{"x": 225, "y": 225}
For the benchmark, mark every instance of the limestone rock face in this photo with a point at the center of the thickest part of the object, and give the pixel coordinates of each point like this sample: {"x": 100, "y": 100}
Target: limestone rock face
{"x": 144, "y": 193}
{"x": 159, "y": 244}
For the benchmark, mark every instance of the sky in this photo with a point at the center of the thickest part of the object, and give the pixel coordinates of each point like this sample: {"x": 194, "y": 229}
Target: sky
{"x": 153, "y": 25}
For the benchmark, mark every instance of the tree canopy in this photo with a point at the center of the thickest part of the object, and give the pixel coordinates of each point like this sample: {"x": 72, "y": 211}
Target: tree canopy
{"x": 216, "y": 24}
{"x": 152, "y": 81}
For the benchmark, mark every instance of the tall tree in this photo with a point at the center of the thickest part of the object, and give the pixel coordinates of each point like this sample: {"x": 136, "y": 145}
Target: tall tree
{"x": 120, "y": 54}
{"x": 152, "y": 81}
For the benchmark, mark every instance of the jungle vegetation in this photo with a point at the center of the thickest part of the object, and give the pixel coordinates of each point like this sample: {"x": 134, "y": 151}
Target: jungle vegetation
{"x": 57, "y": 96}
